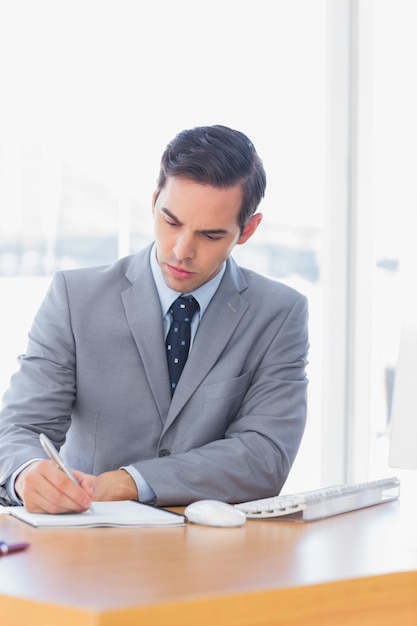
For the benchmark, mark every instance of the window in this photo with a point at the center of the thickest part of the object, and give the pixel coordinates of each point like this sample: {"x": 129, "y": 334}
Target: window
{"x": 394, "y": 208}
{"x": 94, "y": 90}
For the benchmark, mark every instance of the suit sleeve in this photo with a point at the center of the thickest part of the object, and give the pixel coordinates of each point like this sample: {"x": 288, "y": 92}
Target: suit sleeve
{"x": 41, "y": 393}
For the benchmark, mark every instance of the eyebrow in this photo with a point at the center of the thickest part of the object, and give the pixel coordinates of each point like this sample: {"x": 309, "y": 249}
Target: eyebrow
{"x": 209, "y": 231}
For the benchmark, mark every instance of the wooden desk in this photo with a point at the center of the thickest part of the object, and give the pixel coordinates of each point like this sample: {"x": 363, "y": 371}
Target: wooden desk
{"x": 357, "y": 568}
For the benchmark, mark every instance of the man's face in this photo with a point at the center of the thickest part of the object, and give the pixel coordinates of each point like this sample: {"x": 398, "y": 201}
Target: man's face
{"x": 196, "y": 228}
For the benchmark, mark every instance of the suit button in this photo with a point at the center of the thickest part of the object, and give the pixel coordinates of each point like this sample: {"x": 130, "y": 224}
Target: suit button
{"x": 164, "y": 452}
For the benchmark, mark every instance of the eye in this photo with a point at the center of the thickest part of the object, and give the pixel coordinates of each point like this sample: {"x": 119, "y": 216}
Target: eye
{"x": 171, "y": 222}
{"x": 212, "y": 237}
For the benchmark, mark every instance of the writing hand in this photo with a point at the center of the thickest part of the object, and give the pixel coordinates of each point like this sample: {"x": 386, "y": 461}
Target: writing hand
{"x": 46, "y": 489}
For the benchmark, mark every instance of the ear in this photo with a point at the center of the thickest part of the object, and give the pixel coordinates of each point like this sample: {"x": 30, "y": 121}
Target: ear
{"x": 250, "y": 228}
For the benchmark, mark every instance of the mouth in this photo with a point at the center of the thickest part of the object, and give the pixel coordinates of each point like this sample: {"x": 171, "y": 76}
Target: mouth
{"x": 178, "y": 272}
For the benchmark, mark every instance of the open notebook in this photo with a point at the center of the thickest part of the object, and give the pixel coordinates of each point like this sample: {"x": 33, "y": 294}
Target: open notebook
{"x": 120, "y": 513}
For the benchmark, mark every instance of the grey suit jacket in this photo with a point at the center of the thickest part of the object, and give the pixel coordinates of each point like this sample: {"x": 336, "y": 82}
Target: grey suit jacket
{"x": 95, "y": 380}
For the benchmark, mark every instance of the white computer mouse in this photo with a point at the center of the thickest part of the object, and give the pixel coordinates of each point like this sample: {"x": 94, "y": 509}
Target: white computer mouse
{"x": 214, "y": 513}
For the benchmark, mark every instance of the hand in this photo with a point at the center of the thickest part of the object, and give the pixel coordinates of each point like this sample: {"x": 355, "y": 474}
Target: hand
{"x": 46, "y": 489}
{"x": 115, "y": 485}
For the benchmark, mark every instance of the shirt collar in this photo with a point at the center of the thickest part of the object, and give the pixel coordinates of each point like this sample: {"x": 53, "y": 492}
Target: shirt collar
{"x": 202, "y": 294}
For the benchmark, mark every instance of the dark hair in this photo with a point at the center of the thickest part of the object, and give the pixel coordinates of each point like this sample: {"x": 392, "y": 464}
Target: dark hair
{"x": 218, "y": 156}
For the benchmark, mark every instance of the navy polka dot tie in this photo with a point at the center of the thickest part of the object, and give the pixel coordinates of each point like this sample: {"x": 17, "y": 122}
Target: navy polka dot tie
{"x": 179, "y": 336}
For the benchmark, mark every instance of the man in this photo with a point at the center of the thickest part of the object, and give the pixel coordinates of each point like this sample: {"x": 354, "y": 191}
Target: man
{"x": 95, "y": 377}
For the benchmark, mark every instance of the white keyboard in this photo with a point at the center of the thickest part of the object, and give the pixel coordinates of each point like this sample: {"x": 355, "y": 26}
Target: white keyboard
{"x": 324, "y": 502}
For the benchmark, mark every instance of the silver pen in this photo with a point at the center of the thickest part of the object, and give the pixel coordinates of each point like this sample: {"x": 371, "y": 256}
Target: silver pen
{"x": 52, "y": 452}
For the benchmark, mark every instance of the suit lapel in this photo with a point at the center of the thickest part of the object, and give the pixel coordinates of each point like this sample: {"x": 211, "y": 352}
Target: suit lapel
{"x": 142, "y": 308}
{"x": 217, "y": 326}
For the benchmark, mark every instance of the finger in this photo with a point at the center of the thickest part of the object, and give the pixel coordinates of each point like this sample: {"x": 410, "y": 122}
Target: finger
{"x": 48, "y": 489}
{"x": 86, "y": 481}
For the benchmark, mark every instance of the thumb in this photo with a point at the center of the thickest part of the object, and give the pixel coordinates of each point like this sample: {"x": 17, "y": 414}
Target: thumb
{"x": 87, "y": 482}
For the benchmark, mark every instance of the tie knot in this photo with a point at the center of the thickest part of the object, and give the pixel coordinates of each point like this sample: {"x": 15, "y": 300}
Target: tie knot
{"x": 184, "y": 308}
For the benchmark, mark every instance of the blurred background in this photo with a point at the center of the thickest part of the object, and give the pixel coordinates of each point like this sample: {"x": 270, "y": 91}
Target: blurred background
{"x": 90, "y": 93}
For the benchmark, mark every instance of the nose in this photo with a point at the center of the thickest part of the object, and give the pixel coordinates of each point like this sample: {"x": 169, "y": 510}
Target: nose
{"x": 184, "y": 247}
